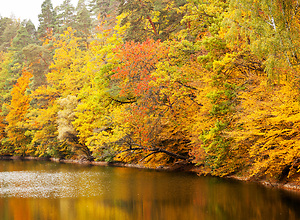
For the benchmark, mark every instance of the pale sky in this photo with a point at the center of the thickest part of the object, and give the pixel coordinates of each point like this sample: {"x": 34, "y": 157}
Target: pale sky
{"x": 26, "y": 9}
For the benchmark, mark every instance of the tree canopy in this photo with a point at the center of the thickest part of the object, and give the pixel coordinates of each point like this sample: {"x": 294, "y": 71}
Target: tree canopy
{"x": 211, "y": 83}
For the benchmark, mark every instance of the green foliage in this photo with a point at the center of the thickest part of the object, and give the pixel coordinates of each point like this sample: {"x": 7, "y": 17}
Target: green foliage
{"x": 8, "y": 79}
{"x": 47, "y": 20}
{"x": 38, "y": 58}
{"x": 61, "y": 151}
{"x": 65, "y": 16}
{"x": 216, "y": 148}
{"x": 269, "y": 27}
{"x": 9, "y": 28}
{"x": 83, "y": 20}
{"x": 151, "y": 19}
{"x": 103, "y": 8}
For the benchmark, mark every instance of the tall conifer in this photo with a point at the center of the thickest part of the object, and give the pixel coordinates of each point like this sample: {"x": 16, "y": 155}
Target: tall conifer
{"x": 65, "y": 15}
{"x": 47, "y": 20}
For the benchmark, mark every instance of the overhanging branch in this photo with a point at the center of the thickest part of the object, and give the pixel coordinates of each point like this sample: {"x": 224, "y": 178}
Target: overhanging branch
{"x": 155, "y": 151}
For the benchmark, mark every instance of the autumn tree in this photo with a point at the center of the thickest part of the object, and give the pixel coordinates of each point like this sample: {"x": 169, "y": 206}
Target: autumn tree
{"x": 69, "y": 58}
{"x": 3, "y": 149}
{"x": 270, "y": 28}
{"x": 65, "y": 79}
{"x": 149, "y": 114}
{"x": 214, "y": 83}
{"x": 95, "y": 109}
{"x": 66, "y": 131}
{"x": 16, "y": 118}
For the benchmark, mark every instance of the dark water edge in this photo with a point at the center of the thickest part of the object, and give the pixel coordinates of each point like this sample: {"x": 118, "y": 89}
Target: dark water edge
{"x": 293, "y": 187}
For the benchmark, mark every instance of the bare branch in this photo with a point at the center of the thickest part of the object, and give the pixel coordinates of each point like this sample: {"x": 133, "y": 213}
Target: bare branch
{"x": 148, "y": 155}
{"x": 124, "y": 102}
{"x": 187, "y": 86}
{"x": 154, "y": 151}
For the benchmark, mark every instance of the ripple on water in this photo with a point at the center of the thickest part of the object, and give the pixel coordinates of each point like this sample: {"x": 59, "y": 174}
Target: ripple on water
{"x": 38, "y": 184}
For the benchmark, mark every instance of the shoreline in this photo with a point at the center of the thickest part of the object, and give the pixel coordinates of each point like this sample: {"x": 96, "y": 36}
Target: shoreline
{"x": 293, "y": 186}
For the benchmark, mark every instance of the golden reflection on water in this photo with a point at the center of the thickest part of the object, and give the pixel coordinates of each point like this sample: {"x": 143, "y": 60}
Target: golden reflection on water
{"x": 64, "y": 192}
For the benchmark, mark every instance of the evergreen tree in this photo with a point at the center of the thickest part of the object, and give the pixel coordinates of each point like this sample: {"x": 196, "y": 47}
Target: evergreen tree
{"x": 31, "y": 30}
{"x": 103, "y": 8}
{"x": 7, "y": 80}
{"x": 47, "y": 20}
{"x": 65, "y": 15}
{"x": 151, "y": 19}
{"x": 38, "y": 58}
{"x": 83, "y": 20}
{"x": 3, "y": 24}
{"x": 9, "y": 32}
{"x": 22, "y": 39}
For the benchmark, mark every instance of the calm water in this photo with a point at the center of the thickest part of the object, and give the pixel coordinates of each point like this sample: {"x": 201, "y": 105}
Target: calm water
{"x": 50, "y": 191}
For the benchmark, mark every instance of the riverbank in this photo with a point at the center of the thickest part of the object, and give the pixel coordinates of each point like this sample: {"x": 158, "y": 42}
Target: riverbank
{"x": 292, "y": 185}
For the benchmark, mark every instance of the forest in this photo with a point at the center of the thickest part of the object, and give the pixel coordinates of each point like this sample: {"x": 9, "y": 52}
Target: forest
{"x": 212, "y": 83}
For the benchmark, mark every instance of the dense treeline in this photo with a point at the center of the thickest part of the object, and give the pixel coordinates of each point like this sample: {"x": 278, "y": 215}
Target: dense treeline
{"x": 214, "y": 83}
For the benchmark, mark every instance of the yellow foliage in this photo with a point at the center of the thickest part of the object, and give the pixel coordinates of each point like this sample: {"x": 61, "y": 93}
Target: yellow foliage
{"x": 66, "y": 74}
{"x": 269, "y": 120}
{"x": 43, "y": 130}
{"x": 16, "y": 117}
{"x": 97, "y": 123}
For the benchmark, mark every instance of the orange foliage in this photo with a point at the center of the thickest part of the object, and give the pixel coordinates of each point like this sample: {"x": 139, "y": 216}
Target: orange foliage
{"x": 16, "y": 118}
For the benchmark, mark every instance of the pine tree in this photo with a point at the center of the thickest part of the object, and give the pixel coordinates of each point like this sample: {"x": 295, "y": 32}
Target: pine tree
{"x": 22, "y": 39}
{"x": 151, "y": 19}
{"x": 65, "y": 15}
{"x": 47, "y": 20}
{"x": 103, "y": 8}
{"x": 9, "y": 32}
{"x": 31, "y": 30}
{"x": 38, "y": 58}
{"x": 83, "y": 20}
{"x": 7, "y": 79}
{"x": 4, "y": 22}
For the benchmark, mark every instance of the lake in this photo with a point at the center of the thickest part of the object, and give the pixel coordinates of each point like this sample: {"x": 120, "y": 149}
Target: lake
{"x": 32, "y": 190}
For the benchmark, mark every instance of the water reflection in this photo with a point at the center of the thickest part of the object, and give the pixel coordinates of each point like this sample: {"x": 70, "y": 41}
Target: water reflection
{"x": 42, "y": 190}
